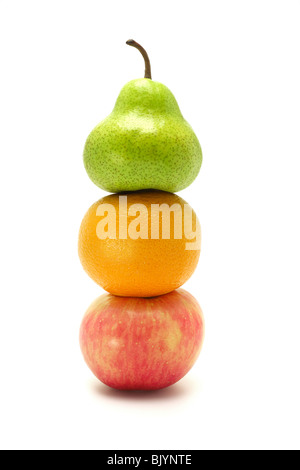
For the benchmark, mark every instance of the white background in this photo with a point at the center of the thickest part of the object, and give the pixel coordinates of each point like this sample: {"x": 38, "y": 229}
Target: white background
{"x": 234, "y": 68}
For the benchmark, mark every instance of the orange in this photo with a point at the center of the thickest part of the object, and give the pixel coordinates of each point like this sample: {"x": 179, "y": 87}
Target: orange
{"x": 140, "y": 244}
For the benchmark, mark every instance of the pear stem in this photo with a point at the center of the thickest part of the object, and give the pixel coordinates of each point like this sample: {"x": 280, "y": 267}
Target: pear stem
{"x": 132, "y": 43}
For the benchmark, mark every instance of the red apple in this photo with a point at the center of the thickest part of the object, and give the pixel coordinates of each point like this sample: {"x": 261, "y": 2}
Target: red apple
{"x": 142, "y": 343}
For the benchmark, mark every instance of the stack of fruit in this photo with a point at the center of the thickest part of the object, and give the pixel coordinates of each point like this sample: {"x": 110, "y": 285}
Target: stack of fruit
{"x": 143, "y": 242}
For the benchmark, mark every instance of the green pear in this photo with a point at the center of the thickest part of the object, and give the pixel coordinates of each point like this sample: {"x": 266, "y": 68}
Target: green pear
{"x": 145, "y": 143}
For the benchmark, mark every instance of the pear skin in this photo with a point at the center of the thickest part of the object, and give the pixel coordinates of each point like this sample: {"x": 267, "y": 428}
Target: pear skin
{"x": 145, "y": 143}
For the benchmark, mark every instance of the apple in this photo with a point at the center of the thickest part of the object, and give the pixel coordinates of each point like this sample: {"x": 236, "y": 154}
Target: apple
{"x": 132, "y": 343}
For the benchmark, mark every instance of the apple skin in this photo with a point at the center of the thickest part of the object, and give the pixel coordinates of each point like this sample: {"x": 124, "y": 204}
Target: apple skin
{"x": 132, "y": 343}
